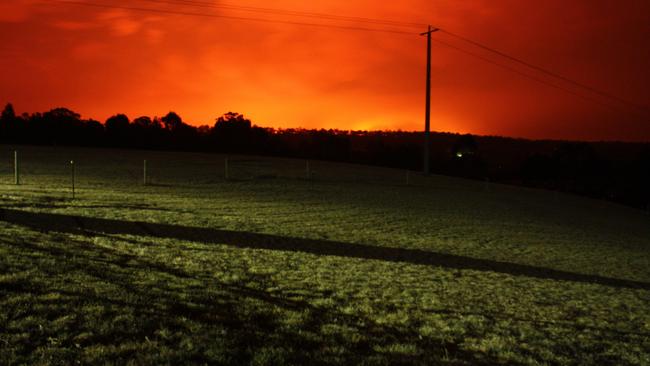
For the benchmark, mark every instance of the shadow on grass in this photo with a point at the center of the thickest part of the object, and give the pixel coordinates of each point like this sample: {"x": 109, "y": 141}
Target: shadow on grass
{"x": 88, "y": 225}
{"x": 177, "y": 316}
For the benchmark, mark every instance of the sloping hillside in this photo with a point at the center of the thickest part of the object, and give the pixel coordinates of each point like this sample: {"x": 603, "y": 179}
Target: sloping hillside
{"x": 353, "y": 264}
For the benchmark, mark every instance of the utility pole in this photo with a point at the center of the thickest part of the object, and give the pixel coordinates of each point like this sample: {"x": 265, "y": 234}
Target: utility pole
{"x": 427, "y": 117}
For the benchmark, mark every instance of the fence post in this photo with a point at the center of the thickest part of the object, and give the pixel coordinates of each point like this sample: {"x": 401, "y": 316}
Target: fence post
{"x": 225, "y": 169}
{"x": 144, "y": 173}
{"x": 307, "y": 170}
{"x": 72, "y": 176}
{"x": 16, "y": 171}
{"x": 408, "y": 177}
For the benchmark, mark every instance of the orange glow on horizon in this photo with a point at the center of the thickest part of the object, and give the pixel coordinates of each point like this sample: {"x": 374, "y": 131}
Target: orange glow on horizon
{"x": 102, "y": 61}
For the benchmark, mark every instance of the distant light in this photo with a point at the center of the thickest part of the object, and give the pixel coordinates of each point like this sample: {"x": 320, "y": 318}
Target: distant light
{"x": 459, "y": 154}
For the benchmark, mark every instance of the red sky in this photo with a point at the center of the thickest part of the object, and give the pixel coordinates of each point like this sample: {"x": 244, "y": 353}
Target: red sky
{"x": 101, "y": 61}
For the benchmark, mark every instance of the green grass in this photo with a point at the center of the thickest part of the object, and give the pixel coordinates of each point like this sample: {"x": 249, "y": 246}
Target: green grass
{"x": 352, "y": 267}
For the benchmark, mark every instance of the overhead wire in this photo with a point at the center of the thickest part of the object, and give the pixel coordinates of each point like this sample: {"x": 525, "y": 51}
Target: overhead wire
{"x": 222, "y": 16}
{"x": 526, "y": 75}
{"x": 408, "y": 24}
{"x": 413, "y": 24}
{"x": 285, "y": 12}
{"x": 374, "y": 21}
{"x": 544, "y": 71}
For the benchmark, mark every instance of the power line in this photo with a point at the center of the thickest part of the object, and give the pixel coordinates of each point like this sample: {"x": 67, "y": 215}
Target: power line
{"x": 175, "y": 12}
{"x": 355, "y": 19}
{"x": 546, "y": 71}
{"x": 408, "y": 24}
{"x": 291, "y": 13}
{"x": 529, "y": 76}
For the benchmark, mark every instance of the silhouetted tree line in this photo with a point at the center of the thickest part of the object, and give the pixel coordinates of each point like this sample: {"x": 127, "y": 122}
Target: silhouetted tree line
{"x": 608, "y": 170}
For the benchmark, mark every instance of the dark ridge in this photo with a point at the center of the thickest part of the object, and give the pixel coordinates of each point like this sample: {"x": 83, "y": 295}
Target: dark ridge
{"x": 614, "y": 171}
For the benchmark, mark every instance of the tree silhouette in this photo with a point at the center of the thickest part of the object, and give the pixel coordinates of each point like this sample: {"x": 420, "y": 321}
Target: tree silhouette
{"x": 118, "y": 130}
{"x": 93, "y": 133}
{"x": 143, "y": 122}
{"x": 118, "y": 122}
{"x": 8, "y": 124}
{"x": 148, "y": 133}
{"x": 179, "y": 135}
{"x": 172, "y": 122}
{"x": 231, "y": 132}
{"x": 8, "y": 113}
{"x": 232, "y": 123}
{"x": 60, "y": 126}
{"x": 615, "y": 171}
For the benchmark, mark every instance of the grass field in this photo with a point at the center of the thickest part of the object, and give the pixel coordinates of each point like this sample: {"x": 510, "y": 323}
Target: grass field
{"x": 269, "y": 268}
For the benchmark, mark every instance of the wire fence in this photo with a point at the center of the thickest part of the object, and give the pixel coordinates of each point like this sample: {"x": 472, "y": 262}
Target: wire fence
{"x": 72, "y": 172}
{"x": 59, "y": 167}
